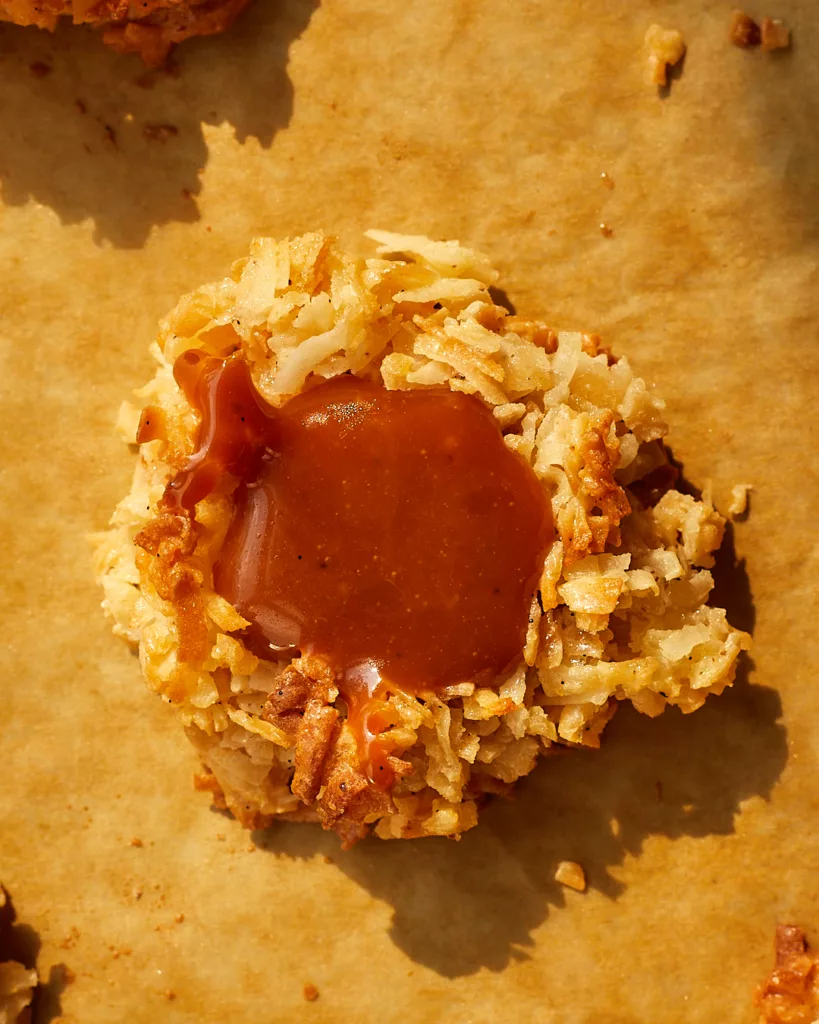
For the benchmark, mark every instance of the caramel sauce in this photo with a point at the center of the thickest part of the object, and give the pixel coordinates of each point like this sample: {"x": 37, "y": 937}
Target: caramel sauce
{"x": 393, "y": 533}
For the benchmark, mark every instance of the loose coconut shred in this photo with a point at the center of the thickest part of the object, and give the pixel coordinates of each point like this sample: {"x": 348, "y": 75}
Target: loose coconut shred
{"x": 620, "y": 610}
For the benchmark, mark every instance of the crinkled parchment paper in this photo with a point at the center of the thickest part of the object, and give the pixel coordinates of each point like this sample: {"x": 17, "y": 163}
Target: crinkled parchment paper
{"x": 492, "y": 123}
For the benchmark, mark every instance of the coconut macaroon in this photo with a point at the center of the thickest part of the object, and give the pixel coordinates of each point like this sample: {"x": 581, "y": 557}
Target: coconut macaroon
{"x": 148, "y": 27}
{"x": 616, "y": 610}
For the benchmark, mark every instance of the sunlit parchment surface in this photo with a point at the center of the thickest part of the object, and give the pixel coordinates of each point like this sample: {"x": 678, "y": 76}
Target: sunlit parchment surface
{"x": 491, "y": 122}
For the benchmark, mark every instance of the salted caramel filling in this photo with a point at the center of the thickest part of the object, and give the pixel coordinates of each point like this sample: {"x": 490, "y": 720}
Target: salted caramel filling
{"x": 392, "y": 533}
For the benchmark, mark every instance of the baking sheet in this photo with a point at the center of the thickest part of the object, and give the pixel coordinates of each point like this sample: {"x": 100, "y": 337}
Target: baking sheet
{"x": 491, "y": 123}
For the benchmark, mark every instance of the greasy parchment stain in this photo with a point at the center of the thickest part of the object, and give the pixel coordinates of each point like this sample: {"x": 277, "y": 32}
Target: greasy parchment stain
{"x": 492, "y": 123}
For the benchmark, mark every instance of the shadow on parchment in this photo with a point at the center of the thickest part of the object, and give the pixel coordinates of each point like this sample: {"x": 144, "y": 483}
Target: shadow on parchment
{"x": 461, "y": 906}
{"x": 20, "y": 942}
{"x": 93, "y": 134}
{"x": 782, "y": 102}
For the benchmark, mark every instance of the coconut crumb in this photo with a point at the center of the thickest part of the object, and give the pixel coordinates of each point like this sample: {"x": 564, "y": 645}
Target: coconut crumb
{"x": 744, "y": 30}
{"x": 666, "y": 47}
{"x": 311, "y": 993}
{"x": 738, "y": 504}
{"x": 570, "y": 874}
{"x": 774, "y": 35}
{"x": 150, "y": 29}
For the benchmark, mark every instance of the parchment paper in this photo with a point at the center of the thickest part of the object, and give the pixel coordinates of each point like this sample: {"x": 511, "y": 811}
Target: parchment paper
{"x": 492, "y": 123}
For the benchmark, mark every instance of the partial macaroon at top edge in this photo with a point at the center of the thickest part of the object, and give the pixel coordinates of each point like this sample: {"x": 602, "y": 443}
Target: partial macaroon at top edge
{"x": 150, "y": 28}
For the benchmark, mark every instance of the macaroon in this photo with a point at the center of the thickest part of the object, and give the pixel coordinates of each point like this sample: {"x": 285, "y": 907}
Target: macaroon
{"x": 387, "y": 543}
